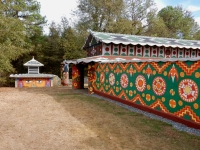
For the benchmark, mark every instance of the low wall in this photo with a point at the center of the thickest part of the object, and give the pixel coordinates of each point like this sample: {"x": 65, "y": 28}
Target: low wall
{"x": 33, "y": 82}
{"x": 169, "y": 89}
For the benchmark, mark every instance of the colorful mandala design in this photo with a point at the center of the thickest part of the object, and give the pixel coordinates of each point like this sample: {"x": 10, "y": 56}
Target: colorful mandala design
{"x": 159, "y": 86}
{"x": 124, "y": 80}
{"x": 188, "y": 90}
{"x": 112, "y": 79}
{"x": 102, "y": 77}
{"x": 140, "y": 83}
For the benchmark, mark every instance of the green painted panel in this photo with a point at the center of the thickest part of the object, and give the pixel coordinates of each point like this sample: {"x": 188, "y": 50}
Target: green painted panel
{"x": 170, "y": 87}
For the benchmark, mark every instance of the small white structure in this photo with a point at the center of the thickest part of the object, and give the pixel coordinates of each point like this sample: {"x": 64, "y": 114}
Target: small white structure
{"x": 33, "y": 78}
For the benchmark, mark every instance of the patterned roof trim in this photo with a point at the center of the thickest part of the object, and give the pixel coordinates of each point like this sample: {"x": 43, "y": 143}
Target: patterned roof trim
{"x": 33, "y": 63}
{"x": 142, "y": 40}
{"x": 126, "y": 59}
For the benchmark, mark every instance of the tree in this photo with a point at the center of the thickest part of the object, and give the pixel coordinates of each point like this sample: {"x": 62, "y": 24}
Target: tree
{"x": 141, "y": 14}
{"x": 157, "y": 28}
{"x": 179, "y": 22}
{"x": 96, "y": 15}
{"x": 119, "y": 16}
{"x": 20, "y": 22}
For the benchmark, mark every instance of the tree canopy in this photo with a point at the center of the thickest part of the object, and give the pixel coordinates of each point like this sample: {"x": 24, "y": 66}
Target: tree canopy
{"x": 21, "y": 26}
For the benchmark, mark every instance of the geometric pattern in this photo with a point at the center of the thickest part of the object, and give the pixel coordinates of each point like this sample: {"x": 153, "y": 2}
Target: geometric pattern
{"x": 111, "y": 79}
{"x": 159, "y": 86}
{"x": 106, "y": 49}
{"x": 154, "y": 51}
{"x": 140, "y": 83}
{"x": 131, "y": 51}
{"x": 180, "y": 52}
{"x": 159, "y": 92}
{"x": 147, "y": 51}
{"x": 124, "y": 80}
{"x": 115, "y": 50}
{"x": 123, "y": 50}
{"x": 188, "y": 90}
{"x": 161, "y": 52}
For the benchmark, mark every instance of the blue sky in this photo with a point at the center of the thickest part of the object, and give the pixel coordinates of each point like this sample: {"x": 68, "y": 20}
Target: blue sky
{"x": 54, "y": 10}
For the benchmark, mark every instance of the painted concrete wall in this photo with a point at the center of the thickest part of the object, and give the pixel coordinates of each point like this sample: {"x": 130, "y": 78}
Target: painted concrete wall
{"x": 168, "y": 87}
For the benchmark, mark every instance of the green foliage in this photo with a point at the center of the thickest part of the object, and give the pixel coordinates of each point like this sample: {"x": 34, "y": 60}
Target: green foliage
{"x": 63, "y": 42}
{"x": 20, "y": 23}
{"x": 119, "y": 16}
{"x": 179, "y": 22}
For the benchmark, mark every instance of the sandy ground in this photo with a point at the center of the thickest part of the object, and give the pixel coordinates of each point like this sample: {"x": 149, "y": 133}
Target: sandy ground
{"x": 30, "y": 120}
{"x": 48, "y": 119}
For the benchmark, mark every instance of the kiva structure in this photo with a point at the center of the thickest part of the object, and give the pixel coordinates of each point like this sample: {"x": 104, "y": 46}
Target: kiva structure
{"x": 33, "y": 78}
{"x": 158, "y": 75}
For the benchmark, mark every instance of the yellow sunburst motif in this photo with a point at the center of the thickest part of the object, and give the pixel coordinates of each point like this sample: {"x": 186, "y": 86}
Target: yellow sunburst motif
{"x": 172, "y": 103}
{"x": 143, "y": 95}
{"x": 148, "y": 87}
{"x": 154, "y": 72}
{"x": 182, "y": 74}
{"x": 131, "y": 84}
{"x": 165, "y": 73}
{"x": 153, "y": 97}
{"x": 163, "y": 99}
{"x": 148, "y": 97}
{"x": 197, "y": 75}
{"x": 134, "y": 92}
{"x": 196, "y": 106}
{"x": 180, "y": 103}
{"x": 130, "y": 93}
{"x": 172, "y": 92}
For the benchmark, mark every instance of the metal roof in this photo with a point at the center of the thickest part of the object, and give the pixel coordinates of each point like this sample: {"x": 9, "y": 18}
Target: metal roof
{"x": 142, "y": 40}
{"x": 126, "y": 59}
{"x": 33, "y": 63}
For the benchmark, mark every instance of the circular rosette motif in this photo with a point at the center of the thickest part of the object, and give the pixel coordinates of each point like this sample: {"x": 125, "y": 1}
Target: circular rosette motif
{"x": 124, "y": 80}
{"x": 188, "y": 90}
{"x": 159, "y": 86}
{"x": 112, "y": 79}
{"x": 102, "y": 77}
{"x": 140, "y": 83}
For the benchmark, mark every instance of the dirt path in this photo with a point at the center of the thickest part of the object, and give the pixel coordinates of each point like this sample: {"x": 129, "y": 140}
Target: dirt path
{"x": 54, "y": 119}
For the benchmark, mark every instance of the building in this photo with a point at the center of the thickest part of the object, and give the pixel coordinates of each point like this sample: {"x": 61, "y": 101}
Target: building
{"x": 158, "y": 75}
{"x": 34, "y": 78}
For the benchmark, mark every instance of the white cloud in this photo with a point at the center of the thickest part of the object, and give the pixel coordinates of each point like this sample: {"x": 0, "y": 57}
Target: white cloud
{"x": 193, "y": 8}
{"x": 54, "y": 10}
{"x": 160, "y": 4}
{"x": 197, "y": 19}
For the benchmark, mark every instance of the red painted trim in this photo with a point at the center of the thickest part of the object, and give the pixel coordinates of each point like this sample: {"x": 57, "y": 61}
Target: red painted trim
{"x": 150, "y": 110}
{"x": 134, "y": 50}
{"x": 127, "y": 50}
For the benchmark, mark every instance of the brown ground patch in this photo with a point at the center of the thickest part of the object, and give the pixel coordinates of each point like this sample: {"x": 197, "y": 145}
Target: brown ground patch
{"x": 63, "y": 119}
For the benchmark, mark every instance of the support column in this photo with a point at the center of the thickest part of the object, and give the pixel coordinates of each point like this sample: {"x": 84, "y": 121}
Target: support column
{"x": 91, "y": 78}
{"x": 76, "y": 77}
